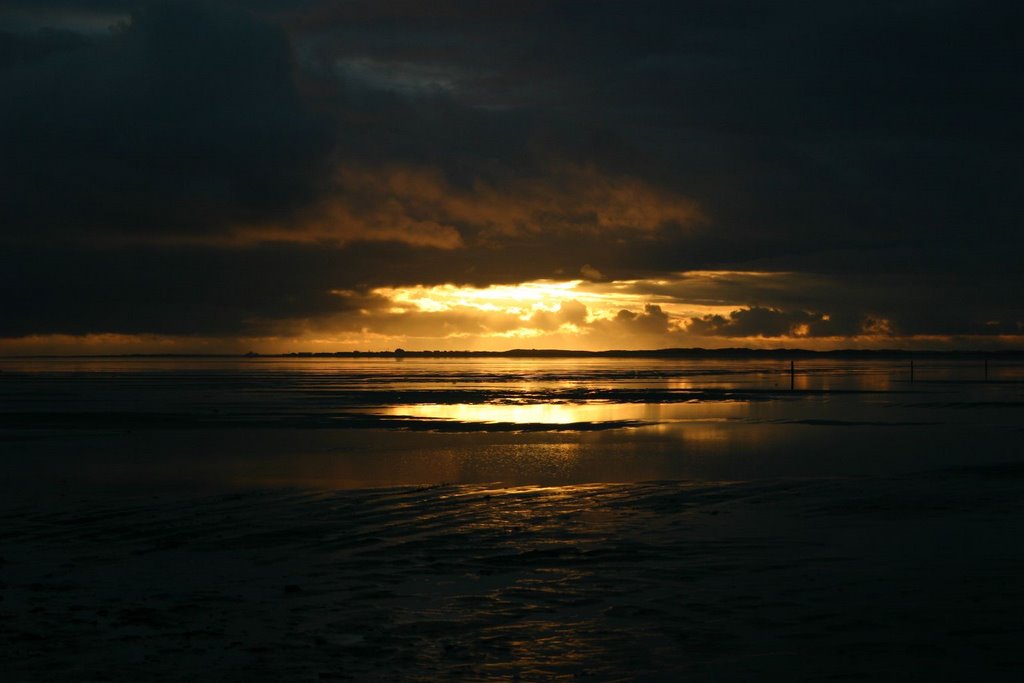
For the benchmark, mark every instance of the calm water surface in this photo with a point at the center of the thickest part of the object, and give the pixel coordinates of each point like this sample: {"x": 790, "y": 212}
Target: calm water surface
{"x": 377, "y": 422}
{"x": 858, "y": 526}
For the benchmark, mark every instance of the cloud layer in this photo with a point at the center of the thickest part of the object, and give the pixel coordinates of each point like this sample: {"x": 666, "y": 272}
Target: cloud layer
{"x": 747, "y": 172}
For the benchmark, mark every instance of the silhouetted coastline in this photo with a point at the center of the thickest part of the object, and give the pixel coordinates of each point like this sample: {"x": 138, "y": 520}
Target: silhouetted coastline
{"x": 739, "y": 353}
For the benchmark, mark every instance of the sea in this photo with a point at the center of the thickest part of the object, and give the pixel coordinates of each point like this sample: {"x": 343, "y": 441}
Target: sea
{"x": 511, "y": 519}
{"x": 382, "y": 421}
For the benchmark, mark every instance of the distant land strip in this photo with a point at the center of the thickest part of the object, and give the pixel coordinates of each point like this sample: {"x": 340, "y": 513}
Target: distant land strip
{"x": 687, "y": 353}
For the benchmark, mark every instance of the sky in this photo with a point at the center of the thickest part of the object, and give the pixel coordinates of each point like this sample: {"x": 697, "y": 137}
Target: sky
{"x": 304, "y": 175}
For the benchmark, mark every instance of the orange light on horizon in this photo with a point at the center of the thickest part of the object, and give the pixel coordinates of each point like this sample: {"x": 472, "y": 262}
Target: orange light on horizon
{"x": 602, "y": 301}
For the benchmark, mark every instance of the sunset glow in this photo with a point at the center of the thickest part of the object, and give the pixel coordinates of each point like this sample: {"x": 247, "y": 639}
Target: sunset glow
{"x": 327, "y": 178}
{"x": 602, "y": 301}
{"x": 621, "y": 340}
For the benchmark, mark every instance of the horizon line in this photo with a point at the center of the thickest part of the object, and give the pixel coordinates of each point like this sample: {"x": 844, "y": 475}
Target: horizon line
{"x": 564, "y": 353}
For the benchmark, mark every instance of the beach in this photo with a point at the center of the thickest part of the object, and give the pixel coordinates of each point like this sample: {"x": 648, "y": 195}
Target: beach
{"x": 804, "y": 546}
{"x": 852, "y": 579}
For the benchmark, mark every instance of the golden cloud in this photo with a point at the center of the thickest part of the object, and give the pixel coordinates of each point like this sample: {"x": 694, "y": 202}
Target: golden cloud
{"x": 418, "y": 205}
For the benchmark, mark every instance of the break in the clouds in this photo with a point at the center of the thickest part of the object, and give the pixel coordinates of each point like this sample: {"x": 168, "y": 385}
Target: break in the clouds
{"x": 293, "y": 174}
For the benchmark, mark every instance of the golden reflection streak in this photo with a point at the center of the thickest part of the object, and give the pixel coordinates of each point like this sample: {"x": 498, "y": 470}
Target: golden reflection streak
{"x": 572, "y": 413}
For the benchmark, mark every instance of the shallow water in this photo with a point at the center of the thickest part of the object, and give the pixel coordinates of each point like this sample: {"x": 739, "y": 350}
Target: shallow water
{"x": 310, "y": 520}
{"x": 336, "y": 423}
{"x": 905, "y": 578}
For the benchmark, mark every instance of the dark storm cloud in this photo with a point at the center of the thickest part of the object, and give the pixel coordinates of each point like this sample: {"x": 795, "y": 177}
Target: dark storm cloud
{"x": 184, "y": 121}
{"x": 768, "y": 322}
{"x": 871, "y": 149}
{"x": 846, "y": 303}
{"x": 652, "y": 320}
{"x": 21, "y": 50}
{"x": 799, "y": 126}
{"x": 175, "y": 290}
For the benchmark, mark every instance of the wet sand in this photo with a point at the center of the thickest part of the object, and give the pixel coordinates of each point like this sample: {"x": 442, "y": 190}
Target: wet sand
{"x": 900, "y": 578}
{"x": 278, "y": 520}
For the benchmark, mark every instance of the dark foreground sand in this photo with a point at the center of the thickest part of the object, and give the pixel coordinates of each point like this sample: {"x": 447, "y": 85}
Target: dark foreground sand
{"x": 900, "y": 578}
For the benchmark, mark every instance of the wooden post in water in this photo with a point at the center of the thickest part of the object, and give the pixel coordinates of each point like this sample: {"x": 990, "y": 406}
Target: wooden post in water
{"x": 986, "y": 366}
{"x": 911, "y": 370}
{"x": 792, "y": 376}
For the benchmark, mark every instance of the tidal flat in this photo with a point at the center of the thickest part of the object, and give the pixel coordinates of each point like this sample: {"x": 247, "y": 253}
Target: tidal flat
{"x": 490, "y": 519}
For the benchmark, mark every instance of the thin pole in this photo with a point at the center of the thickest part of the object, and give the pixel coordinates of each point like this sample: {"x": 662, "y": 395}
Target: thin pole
{"x": 986, "y": 367}
{"x": 792, "y": 375}
{"x": 911, "y": 370}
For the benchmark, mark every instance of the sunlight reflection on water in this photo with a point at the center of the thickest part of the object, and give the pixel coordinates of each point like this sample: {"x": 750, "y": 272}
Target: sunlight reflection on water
{"x": 573, "y": 413}
{"x": 130, "y": 423}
